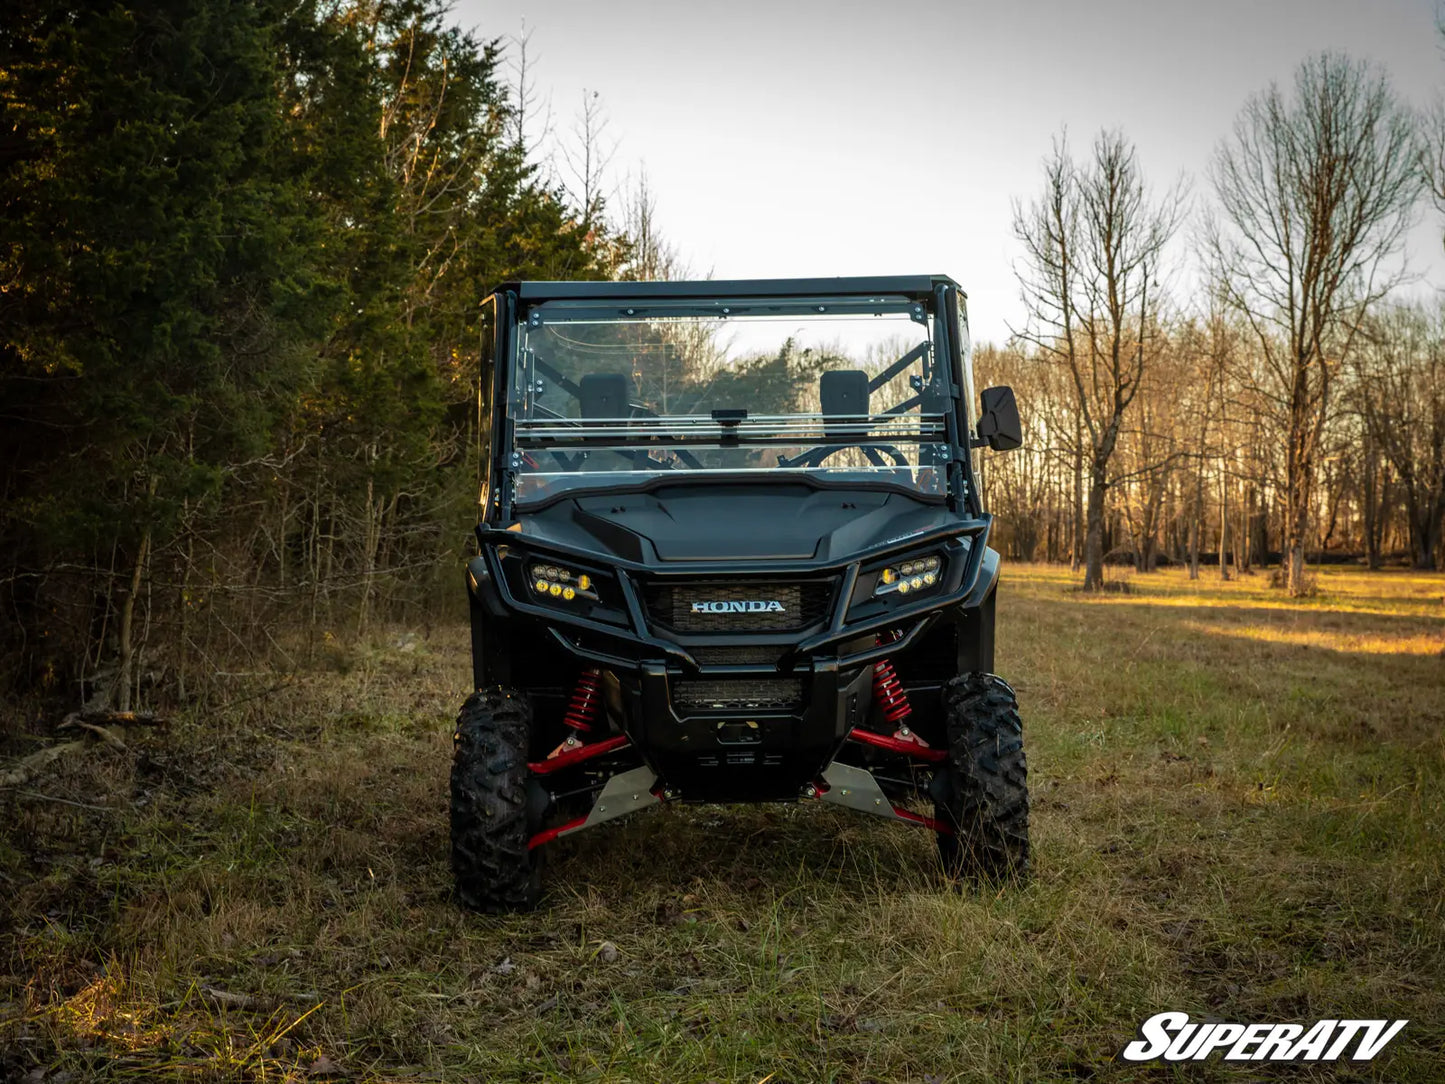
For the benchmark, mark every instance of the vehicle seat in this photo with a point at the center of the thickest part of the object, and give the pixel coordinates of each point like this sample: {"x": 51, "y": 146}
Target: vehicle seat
{"x": 605, "y": 395}
{"x": 843, "y": 393}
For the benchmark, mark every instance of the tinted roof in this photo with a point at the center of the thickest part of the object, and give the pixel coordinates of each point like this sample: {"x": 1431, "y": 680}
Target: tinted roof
{"x": 911, "y": 286}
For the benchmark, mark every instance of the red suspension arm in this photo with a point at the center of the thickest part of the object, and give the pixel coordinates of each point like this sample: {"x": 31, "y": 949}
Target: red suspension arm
{"x": 578, "y": 755}
{"x": 898, "y": 745}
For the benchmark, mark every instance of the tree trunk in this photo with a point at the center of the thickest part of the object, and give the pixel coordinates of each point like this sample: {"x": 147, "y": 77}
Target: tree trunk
{"x": 126, "y": 676}
{"x": 1238, "y": 536}
{"x": 1424, "y": 534}
{"x": 1292, "y": 556}
{"x": 1223, "y": 522}
{"x": 1299, "y": 481}
{"x": 1094, "y": 532}
{"x": 1194, "y": 524}
{"x": 1247, "y": 544}
{"x": 1078, "y": 509}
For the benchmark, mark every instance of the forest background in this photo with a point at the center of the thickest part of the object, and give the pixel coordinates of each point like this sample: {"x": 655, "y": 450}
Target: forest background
{"x": 243, "y": 249}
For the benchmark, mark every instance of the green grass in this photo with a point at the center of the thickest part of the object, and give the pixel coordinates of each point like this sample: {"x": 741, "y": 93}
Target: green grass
{"x": 1238, "y": 811}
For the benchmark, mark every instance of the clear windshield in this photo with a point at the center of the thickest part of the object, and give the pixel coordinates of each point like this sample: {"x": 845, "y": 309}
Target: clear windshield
{"x": 846, "y": 390}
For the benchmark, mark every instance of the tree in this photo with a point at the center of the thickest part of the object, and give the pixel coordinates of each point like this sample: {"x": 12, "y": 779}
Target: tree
{"x": 651, "y": 257}
{"x": 161, "y": 271}
{"x": 1315, "y": 192}
{"x": 587, "y": 158}
{"x": 1093, "y": 244}
{"x": 242, "y": 247}
{"x": 1400, "y": 395}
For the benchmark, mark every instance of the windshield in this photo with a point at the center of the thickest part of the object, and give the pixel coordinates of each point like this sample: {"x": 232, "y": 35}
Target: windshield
{"x": 843, "y": 389}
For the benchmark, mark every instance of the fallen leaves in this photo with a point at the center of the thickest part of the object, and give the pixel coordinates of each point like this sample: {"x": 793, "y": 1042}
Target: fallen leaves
{"x": 323, "y": 1068}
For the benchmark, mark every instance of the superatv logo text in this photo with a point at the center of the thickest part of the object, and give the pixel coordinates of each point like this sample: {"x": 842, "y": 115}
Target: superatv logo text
{"x": 1171, "y": 1036}
{"x": 752, "y": 606}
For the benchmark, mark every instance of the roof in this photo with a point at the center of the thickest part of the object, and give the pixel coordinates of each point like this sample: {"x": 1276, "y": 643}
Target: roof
{"x": 911, "y": 286}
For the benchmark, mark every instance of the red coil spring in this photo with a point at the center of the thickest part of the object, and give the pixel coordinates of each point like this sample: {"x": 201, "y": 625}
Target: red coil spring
{"x": 586, "y": 699}
{"x": 889, "y": 691}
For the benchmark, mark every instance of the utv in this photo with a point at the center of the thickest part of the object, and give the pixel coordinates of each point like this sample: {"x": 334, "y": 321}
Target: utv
{"x": 733, "y": 548}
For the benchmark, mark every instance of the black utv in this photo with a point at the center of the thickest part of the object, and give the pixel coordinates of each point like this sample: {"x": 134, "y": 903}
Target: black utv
{"x": 733, "y": 548}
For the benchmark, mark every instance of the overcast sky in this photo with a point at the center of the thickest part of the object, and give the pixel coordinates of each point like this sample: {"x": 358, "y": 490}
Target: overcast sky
{"x": 850, "y": 138}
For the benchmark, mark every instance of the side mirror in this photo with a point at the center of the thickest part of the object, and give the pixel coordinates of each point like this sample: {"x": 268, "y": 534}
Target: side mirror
{"x": 998, "y": 423}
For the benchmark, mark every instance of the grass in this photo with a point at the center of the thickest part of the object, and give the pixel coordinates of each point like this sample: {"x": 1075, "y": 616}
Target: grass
{"x": 1238, "y": 807}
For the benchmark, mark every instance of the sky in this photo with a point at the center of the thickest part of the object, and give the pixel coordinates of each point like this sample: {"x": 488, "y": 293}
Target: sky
{"x": 844, "y": 138}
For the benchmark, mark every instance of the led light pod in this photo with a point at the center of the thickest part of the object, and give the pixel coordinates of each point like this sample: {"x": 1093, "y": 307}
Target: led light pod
{"x": 908, "y": 577}
{"x": 556, "y": 582}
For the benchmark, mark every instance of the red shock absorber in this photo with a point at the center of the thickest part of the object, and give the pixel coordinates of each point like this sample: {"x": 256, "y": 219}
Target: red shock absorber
{"x": 586, "y": 700}
{"x": 889, "y": 691}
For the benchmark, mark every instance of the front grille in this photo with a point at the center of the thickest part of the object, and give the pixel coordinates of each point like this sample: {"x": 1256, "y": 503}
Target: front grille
{"x": 798, "y": 605}
{"x": 766, "y": 655}
{"x": 766, "y": 694}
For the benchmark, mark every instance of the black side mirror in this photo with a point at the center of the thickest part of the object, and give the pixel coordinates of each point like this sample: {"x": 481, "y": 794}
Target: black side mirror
{"x": 998, "y": 424}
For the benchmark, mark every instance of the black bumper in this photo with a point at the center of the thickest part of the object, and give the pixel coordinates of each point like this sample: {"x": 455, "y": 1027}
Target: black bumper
{"x": 733, "y": 756}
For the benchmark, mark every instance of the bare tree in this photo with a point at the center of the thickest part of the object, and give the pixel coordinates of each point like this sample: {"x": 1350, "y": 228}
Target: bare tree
{"x": 1400, "y": 394}
{"x": 525, "y": 102}
{"x": 1316, "y": 193}
{"x": 651, "y": 257}
{"x": 586, "y": 160}
{"x": 1093, "y": 242}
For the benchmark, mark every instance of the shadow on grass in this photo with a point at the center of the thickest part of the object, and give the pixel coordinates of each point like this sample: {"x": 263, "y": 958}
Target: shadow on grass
{"x": 804, "y": 847}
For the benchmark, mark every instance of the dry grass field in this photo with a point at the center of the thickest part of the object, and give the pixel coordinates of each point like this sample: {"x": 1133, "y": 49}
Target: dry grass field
{"x": 1239, "y": 806}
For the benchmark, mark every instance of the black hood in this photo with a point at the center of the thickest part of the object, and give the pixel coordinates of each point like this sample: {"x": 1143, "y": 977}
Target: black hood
{"x": 726, "y": 522}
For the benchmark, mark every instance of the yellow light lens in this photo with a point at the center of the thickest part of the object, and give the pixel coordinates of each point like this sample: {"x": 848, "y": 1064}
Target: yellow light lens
{"x": 930, "y": 578}
{"x": 541, "y": 587}
{"x": 917, "y": 582}
{"x": 554, "y": 590}
{"x": 931, "y": 563}
{"x": 903, "y": 588}
{"x": 889, "y": 575}
{"x": 568, "y": 593}
{"x": 584, "y": 581}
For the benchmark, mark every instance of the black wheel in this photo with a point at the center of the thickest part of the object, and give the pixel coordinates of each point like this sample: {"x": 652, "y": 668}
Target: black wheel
{"x": 491, "y": 820}
{"x": 983, "y": 790}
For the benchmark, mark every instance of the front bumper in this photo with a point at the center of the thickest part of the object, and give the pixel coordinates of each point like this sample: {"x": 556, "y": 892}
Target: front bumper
{"x": 623, "y": 638}
{"x": 747, "y": 749}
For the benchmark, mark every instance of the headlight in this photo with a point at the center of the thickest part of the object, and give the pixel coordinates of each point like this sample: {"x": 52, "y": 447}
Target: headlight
{"x": 906, "y": 577}
{"x": 557, "y": 582}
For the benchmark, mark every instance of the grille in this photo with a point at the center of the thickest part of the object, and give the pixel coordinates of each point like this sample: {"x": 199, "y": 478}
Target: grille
{"x": 737, "y": 656}
{"x": 771, "y": 694}
{"x": 803, "y": 604}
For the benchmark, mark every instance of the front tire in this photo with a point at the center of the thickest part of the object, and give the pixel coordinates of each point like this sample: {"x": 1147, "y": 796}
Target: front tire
{"x": 491, "y": 820}
{"x": 982, "y": 792}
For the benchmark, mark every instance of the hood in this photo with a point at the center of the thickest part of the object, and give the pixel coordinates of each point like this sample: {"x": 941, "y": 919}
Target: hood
{"x": 729, "y": 523}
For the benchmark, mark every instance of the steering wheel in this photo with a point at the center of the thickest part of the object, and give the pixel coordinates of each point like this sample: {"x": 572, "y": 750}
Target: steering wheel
{"x": 639, "y": 456}
{"x": 814, "y": 457}
{"x": 688, "y": 459}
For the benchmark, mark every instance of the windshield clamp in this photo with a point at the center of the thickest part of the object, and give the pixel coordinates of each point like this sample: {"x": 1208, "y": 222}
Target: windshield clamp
{"x": 729, "y": 418}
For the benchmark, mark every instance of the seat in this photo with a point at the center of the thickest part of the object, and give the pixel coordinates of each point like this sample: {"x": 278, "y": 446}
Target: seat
{"x": 605, "y": 395}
